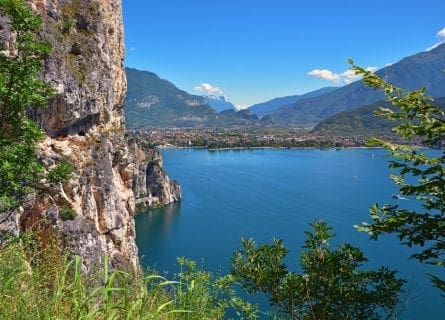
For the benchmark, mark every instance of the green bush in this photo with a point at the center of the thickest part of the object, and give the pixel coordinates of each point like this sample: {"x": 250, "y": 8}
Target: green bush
{"x": 62, "y": 172}
{"x": 67, "y": 213}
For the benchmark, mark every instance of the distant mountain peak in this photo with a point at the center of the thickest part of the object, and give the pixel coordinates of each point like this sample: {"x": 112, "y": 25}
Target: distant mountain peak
{"x": 219, "y": 103}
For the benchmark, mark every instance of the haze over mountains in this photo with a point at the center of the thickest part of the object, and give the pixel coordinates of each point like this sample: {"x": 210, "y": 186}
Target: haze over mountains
{"x": 152, "y": 101}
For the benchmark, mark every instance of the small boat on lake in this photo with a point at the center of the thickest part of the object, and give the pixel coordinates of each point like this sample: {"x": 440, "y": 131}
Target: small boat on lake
{"x": 398, "y": 197}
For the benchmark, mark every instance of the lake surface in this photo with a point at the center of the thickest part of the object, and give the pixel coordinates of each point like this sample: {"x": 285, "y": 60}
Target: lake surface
{"x": 266, "y": 194}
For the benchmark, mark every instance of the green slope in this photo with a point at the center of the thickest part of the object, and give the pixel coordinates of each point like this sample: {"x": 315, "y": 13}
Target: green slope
{"x": 361, "y": 121}
{"x": 152, "y": 101}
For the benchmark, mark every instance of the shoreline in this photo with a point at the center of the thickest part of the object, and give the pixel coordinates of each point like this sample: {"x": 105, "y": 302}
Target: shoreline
{"x": 268, "y": 148}
{"x": 275, "y": 148}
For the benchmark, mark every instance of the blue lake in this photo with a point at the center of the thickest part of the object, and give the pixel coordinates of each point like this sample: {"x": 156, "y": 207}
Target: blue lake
{"x": 266, "y": 194}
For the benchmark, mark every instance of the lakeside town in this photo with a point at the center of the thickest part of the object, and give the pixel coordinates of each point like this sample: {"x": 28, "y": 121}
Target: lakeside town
{"x": 244, "y": 137}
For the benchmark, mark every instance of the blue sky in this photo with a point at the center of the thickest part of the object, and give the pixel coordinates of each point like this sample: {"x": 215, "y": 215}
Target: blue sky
{"x": 253, "y": 51}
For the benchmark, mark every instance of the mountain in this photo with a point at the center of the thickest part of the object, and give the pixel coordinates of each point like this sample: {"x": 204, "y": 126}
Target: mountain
{"x": 361, "y": 121}
{"x": 219, "y": 103}
{"x": 271, "y": 106}
{"x": 423, "y": 69}
{"x": 155, "y": 102}
{"x": 236, "y": 118}
{"x": 152, "y": 101}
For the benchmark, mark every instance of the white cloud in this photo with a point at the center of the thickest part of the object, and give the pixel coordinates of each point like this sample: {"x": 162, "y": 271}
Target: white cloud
{"x": 133, "y": 49}
{"x": 345, "y": 77}
{"x": 324, "y": 74}
{"x": 209, "y": 90}
{"x": 241, "y": 106}
{"x": 440, "y": 35}
{"x": 349, "y": 76}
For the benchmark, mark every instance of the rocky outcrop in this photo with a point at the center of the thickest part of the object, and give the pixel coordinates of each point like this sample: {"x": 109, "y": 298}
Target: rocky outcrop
{"x": 85, "y": 124}
{"x": 151, "y": 185}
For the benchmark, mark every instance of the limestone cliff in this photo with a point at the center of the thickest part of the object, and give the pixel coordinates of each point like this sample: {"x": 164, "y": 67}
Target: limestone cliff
{"x": 94, "y": 211}
{"x": 85, "y": 125}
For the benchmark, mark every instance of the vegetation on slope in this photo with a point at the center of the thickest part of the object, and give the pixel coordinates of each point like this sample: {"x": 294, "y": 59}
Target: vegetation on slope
{"x": 362, "y": 121}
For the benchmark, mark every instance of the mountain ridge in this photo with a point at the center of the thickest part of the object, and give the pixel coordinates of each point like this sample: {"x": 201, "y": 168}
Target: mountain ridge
{"x": 271, "y": 106}
{"x": 155, "y": 102}
{"x": 413, "y": 72}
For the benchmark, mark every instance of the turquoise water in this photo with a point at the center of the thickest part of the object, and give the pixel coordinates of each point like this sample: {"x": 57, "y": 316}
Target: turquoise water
{"x": 266, "y": 194}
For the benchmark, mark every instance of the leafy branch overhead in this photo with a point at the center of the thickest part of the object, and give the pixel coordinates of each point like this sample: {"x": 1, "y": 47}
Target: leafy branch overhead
{"x": 424, "y": 122}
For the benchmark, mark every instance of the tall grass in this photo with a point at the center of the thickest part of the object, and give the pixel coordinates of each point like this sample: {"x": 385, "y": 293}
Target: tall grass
{"x": 38, "y": 283}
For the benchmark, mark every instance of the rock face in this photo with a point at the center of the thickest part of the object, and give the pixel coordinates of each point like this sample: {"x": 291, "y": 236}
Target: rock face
{"x": 84, "y": 121}
{"x": 93, "y": 213}
{"x": 85, "y": 67}
{"x": 151, "y": 185}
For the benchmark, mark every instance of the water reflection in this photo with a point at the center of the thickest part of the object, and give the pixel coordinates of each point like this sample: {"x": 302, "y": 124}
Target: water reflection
{"x": 155, "y": 226}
